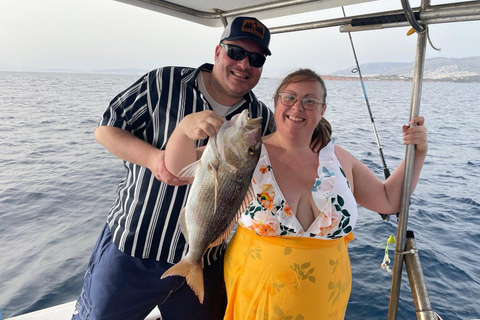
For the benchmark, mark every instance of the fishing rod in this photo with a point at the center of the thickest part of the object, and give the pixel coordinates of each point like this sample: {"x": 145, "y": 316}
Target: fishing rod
{"x": 386, "y": 172}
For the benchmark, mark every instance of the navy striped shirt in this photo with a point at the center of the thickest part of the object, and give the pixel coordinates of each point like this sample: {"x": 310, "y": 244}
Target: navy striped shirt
{"x": 144, "y": 217}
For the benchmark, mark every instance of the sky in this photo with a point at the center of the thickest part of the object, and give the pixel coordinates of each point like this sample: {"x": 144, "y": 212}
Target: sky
{"x": 90, "y": 35}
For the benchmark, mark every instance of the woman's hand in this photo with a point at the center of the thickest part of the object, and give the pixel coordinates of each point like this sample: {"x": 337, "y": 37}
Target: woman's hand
{"x": 200, "y": 125}
{"x": 416, "y": 133}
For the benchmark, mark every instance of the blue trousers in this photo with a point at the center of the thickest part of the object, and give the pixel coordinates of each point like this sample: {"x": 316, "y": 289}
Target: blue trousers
{"x": 118, "y": 286}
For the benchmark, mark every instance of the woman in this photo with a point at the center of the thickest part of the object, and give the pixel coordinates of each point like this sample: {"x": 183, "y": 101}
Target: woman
{"x": 288, "y": 257}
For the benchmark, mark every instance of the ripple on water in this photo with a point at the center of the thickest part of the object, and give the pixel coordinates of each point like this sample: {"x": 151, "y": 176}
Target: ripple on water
{"x": 58, "y": 185}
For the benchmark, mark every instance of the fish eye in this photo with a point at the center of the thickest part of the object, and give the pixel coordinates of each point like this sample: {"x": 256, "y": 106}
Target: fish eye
{"x": 251, "y": 150}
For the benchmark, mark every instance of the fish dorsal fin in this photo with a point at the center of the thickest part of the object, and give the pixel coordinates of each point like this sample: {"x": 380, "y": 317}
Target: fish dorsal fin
{"x": 245, "y": 204}
{"x": 189, "y": 171}
{"x": 247, "y": 201}
{"x": 183, "y": 223}
{"x": 224, "y": 236}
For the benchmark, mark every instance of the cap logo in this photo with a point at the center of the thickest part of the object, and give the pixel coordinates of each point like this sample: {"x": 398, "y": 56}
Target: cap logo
{"x": 254, "y": 27}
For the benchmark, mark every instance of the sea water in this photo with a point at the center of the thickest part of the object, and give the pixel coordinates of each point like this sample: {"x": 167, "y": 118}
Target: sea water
{"x": 57, "y": 185}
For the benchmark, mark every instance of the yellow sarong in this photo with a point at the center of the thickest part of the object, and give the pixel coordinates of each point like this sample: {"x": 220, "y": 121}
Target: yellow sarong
{"x": 286, "y": 277}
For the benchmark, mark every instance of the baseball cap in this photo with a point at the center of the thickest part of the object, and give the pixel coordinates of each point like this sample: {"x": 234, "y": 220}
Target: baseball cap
{"x": 248, "y": 28}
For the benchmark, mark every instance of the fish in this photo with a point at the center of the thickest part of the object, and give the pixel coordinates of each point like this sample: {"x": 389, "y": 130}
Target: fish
{"x": 222, "y": 179}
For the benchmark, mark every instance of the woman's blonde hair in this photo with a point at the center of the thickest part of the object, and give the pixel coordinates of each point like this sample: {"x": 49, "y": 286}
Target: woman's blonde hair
{"x": 324, "y": 129}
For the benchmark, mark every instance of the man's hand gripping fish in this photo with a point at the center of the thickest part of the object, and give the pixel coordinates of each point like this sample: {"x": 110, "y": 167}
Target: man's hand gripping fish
{"x": 222, "y": 178}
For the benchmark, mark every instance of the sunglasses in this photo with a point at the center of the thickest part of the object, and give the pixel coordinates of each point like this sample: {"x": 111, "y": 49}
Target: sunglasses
{"x": 238, "y": 54}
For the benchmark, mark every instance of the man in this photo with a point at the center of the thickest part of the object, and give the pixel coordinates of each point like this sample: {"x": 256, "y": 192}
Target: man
{"x": 142, "y": 237}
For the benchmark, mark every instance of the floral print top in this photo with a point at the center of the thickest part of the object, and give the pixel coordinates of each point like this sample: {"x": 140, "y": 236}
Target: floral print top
{"x": 270, "y": 215}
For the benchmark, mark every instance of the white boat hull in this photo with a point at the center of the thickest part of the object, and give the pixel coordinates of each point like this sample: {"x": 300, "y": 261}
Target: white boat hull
{"x": 65, "y": 311}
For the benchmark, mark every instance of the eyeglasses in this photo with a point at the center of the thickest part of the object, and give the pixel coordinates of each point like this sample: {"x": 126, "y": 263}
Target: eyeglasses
{"x": 289, "y": 99}
{"x": 238, "y": 54}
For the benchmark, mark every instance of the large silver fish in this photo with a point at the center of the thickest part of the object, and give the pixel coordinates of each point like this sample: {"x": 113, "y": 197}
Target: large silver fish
{"x": 222, "y": 178}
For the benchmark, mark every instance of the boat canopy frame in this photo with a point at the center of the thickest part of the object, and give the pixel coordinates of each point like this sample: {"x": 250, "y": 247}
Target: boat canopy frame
{"x": 418, "y": 18}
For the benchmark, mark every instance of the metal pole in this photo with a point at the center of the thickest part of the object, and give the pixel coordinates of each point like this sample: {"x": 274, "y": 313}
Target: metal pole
{"x": 349, "y": 28}
{"x": 386, "y": 172}
{"x": 407, "y": 178}
{"x": 463, "y": 11}
{"x": 417, "y": 281}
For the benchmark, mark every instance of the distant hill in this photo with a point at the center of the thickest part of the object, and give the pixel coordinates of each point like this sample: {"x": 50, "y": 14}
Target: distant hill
{"x": 373, "y": 69}
{"x": 122, "y": 71}
{"x": 131, "y": 71}
{"x": 438, "y": 69}
{"x": 6, "y": 67}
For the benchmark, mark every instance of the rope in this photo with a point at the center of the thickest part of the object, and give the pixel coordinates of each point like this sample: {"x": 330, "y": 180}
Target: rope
{"x": 411, "y": 16}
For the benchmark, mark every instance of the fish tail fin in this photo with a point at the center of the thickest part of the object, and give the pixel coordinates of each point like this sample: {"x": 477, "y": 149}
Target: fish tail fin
{"x": 195, "y": 281}
{"x": 192, "y": 272}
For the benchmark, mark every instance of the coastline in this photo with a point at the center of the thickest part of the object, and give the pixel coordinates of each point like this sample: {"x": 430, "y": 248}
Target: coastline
{"x": 472, "y": 79}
